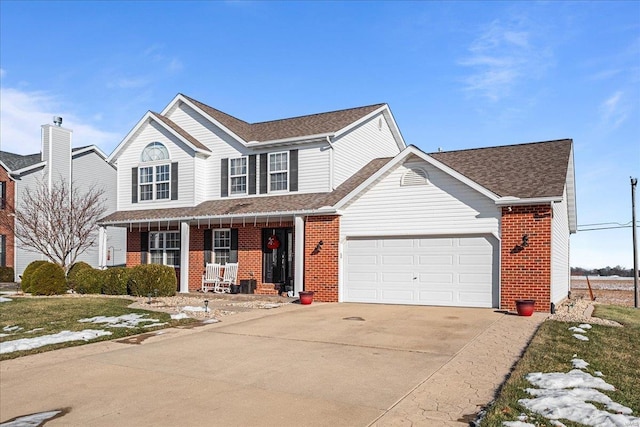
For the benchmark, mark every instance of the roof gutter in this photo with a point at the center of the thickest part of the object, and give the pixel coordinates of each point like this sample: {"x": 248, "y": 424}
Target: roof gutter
{"x": 516, "y": 201}
{"x": 306, "y": 212}
{"x": 290, "y": 141}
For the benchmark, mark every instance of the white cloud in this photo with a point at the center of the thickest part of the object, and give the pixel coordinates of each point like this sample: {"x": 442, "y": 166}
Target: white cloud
{"x": 22, "y": 113}
{"x": 503, "y": 56}
{"x": 614, "y": 110}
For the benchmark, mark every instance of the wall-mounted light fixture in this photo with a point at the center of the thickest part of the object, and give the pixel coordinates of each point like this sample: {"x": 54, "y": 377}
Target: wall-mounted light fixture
{"x": 318, "y": 246}
{"x": 525, "y": 240}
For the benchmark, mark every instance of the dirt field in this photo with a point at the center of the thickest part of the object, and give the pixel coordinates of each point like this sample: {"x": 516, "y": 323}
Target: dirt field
{"x": 607, "y": 290}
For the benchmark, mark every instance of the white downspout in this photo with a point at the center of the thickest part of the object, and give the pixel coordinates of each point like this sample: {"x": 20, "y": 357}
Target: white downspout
{"x": 298, "y": 279}
{"x": 331, "y": 186}
{"x": 184, "y": 257}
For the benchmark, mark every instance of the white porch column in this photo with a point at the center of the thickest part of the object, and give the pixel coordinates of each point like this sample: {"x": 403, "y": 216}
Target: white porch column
{"x": 102, "y": 247}
{"x": 298, "y": 280}
{"x": 184, "y": 257}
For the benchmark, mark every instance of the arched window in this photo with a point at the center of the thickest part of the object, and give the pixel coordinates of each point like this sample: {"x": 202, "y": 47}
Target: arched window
{"x": 154, "y": 180}
{"x": 414, "y": 176}
{"x": 154, "y": 152}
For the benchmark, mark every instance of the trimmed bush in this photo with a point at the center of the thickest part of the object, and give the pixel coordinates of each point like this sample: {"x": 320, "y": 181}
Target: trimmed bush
{"x": 146, "y": 278}
{"x": 28, "y": 272}
{"x": 73, "y": 273}
{"x": 116, "y": 280}
{"x": 89, "y": 281}
{"x": 7, "y": 274}
{"x": 48, "y": 279}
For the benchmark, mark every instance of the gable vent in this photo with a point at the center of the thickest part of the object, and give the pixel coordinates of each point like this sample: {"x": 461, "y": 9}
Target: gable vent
{"x": 415, "y": 176}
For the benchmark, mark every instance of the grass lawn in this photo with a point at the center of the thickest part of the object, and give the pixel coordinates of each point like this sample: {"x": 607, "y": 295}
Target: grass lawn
{"x": 611, "y": 350}
{"x": 51, "y": 315}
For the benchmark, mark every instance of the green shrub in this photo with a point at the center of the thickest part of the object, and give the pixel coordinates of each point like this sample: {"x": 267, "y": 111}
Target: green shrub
{"x": 115, "y": 281}
{"x": 146, "y": 278}
{"x": 26, "y": 275}
{"x": 73, "y": 273}
{"x": 48, "y": 279}
{"x": 7, "y": 274}
{"x": 89, "y": 281}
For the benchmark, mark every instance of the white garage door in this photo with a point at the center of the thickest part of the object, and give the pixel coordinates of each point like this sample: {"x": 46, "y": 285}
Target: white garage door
{"x": 448, "y": 271}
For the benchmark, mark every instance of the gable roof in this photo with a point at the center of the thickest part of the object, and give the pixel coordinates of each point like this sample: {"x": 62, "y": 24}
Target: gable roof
{"x": 180, "y": 131}
{"x": 312, "y": 124}
{"x": 525, "y": 171}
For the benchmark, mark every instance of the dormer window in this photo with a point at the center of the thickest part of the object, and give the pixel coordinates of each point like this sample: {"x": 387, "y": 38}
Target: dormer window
{"x": 279, "y": 171}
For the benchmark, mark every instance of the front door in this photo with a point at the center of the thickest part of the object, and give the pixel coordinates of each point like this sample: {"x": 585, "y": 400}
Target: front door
{"x": 277, "y": 256}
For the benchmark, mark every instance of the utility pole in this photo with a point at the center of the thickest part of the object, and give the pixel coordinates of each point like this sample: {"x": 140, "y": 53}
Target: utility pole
{"x": 634, "y": 182}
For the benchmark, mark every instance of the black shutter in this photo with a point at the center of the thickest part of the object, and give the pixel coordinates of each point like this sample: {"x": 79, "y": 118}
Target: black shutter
{"x": 233, "y": 253}
{"x": 208, "y": 246}
{"x": 293, "y": 170}
{"x": 3, "y": 195}
{"x": 263, "y": 173}
{"x": 134, "y": 185}
{"x": 252, "y": 174}
{"x": 224, "y": 178}
{"x": 144, "y": 247}
{"x": 174, "y": 181}
{"x": 3, "y": 251}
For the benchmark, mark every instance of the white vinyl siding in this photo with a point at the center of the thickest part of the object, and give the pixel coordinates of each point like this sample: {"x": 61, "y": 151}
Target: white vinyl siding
{"x": 359, "y": 146}
{"x": 443, "y": 206}
{"x": 178, "y": 152}
{"x": 560, "y": 267}
{"x": 57, "y": 152}
{"x": 313, "y": 169}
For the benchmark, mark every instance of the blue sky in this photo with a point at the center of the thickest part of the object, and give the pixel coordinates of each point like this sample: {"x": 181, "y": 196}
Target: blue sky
{"x": 456, "y": 75}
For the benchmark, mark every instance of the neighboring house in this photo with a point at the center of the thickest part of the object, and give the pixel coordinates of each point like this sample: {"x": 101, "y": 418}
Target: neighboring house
{"x": 338, "y": 204}
{"x": 81, "y": 166}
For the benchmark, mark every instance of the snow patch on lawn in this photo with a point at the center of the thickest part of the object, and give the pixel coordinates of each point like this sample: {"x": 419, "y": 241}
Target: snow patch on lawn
{"x": 125, "y": 321}
{"x": 64, "y": 336}
{"x": 581, "y": 337}
{"x": 577, "y": 330}
{"x": 3, "y": 299}
{"x": 195, "y": 308}
{"x": 179, "y": 316}
{"x": 579, "y": 363}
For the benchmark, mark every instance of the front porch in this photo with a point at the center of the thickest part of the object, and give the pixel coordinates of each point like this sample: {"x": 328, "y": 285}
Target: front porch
{"x": 297, "y": 252}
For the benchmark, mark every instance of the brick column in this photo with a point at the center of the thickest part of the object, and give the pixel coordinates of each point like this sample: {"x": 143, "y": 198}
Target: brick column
{"x": 321, "y": 266}
{"x": 526, "y": 270}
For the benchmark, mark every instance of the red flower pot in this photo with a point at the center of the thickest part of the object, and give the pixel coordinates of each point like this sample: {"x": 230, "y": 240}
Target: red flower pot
{"x": 306, "y": 297}
{"x": 525, "y": 307}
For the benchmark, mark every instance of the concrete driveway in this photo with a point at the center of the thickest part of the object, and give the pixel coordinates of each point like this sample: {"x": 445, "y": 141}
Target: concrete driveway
{"x": 323, "y": 364}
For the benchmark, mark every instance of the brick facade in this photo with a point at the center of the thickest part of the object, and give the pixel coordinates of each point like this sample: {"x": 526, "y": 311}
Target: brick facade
{"x": 7, "y": 221}
{"x": 321, "y": 266}
{"x": 526, "y": 271}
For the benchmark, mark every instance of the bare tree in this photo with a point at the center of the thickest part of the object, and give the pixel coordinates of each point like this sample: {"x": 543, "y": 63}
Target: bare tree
{"x": 59, "y": 222}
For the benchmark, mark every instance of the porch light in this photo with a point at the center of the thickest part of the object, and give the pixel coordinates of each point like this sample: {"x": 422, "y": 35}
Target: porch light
{"x": 525, "y": 240}
{"x": 319, "y": 246}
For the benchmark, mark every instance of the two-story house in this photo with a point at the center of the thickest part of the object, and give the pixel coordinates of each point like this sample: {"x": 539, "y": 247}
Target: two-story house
{"x": 82, "y": 167}
{"x": 337, "y": 203}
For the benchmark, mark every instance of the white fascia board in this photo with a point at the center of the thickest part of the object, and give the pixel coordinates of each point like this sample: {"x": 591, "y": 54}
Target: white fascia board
{"x": 95, "y": 148}
{"x": 206, "y": 116}
{"x": 411, "y": 149}
{"x": 29, "y": 168}
{"x": 516, "y": 201}
{"x": 114, "y": 155}
{"x": 307, "y": 212}
{"x": 296, "y": 140}
{"x": 570, "y": 186}
{"x": 439, "y": 233}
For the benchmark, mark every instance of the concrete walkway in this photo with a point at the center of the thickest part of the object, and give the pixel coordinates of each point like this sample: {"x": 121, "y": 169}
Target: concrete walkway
{"x": 325, "y": 364}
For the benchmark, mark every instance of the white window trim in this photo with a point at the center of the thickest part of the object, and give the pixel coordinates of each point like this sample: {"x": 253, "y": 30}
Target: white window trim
{"x": 164, "y": 247}
{"x": 246, "y": 177}
{"x": 213, "y": 243}
{"x": 154, "y": 183}
{"x": 270, "y": 172}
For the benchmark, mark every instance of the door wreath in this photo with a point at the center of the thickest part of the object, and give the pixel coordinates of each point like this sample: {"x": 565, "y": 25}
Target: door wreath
{"x": 273, "y": 242}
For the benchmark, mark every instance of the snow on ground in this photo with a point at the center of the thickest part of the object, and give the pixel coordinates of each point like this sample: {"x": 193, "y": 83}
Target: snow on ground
{"x": 4, "y": 299}
{"x": 517, "y": 424}
{"x": 64, "y": 336}
{"x": 125, "y": 321}
{"x": 179, "y": 316}
{"x": 33, "y": 420}
{"x": 577, "y": 330}
{"x": 568, "y": 395}
{"x": 195, "y": 308}
{"x": 581, "y": 337}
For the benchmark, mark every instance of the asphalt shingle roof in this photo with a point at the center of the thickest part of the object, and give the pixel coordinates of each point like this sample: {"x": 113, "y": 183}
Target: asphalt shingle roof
{"x": 313, "y": 124}
{"x": 524, "y": 170}
{"x": 18, "y": 161}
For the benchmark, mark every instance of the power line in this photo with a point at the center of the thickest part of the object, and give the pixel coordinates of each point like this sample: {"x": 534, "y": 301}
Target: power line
{"x": 603, "y": 228}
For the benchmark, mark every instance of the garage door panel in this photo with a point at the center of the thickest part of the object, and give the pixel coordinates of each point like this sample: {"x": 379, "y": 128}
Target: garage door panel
{"x": 446, "y": 271}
